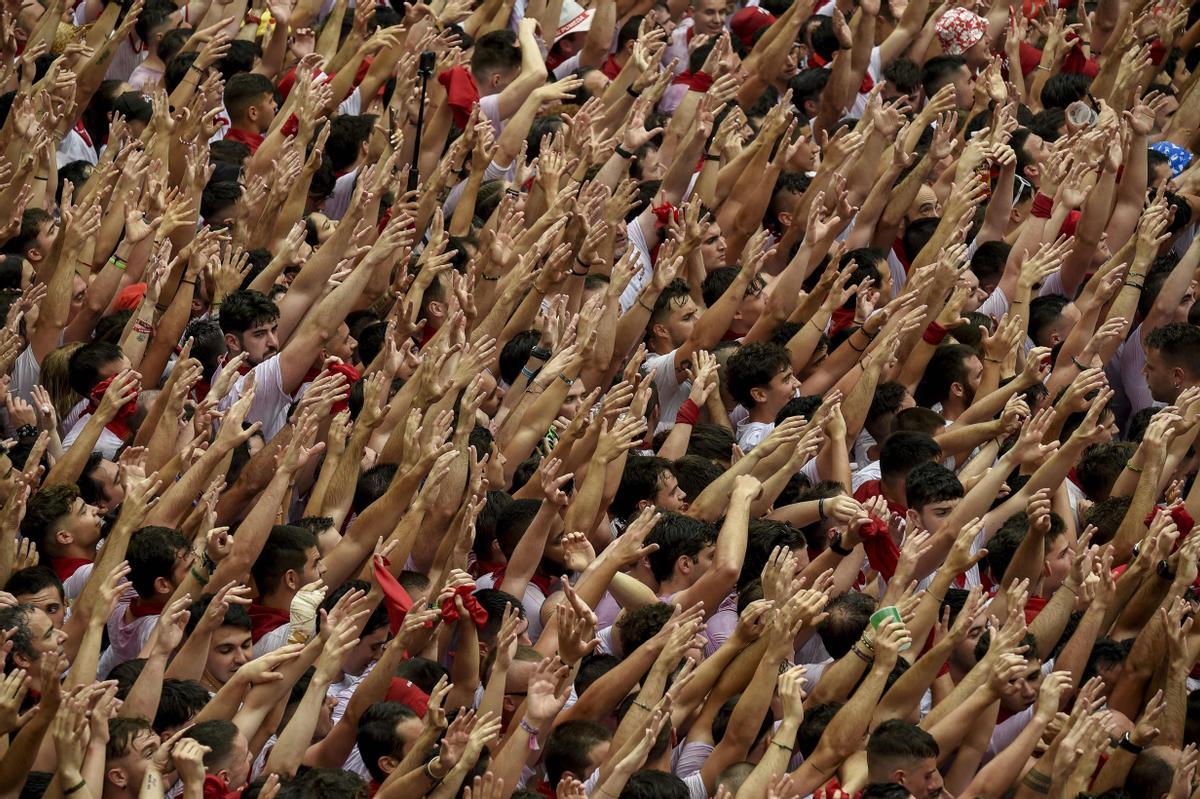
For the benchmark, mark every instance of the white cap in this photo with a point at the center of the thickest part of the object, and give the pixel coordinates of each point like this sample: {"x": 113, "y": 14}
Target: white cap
{"x": 573, "y": 19}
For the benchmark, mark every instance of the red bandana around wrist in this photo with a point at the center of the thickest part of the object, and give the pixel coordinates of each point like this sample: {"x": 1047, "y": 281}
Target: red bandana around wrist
{"x": 119, "y": 426}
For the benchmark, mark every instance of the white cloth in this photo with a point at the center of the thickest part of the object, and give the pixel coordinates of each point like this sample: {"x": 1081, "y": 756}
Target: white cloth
{"x": 271, "y": 402}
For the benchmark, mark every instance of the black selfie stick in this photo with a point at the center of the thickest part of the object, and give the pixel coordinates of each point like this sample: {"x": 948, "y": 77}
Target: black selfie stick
{"x": 425, "y": 70}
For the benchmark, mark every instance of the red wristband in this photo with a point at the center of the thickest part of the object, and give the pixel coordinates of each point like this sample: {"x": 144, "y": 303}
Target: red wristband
{"x": 1042, "y": 206}
{"x": 701, "y": 82}
{"x": 934, "y": 334}
{"x": 688, "y": 413}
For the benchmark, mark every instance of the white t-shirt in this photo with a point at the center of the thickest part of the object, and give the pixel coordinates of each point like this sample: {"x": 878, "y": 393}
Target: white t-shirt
{"x": 108, "y": 443}
{"x": 532, "y": 602}
{"x": 271, "y": 402}
{"x": 671, "y": 392}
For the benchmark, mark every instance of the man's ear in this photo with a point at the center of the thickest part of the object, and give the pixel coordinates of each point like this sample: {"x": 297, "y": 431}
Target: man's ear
{"x": 758, "y": 394}
{"x": 63, "y": 537}
{"x": 387, "y": 764}
{"x": 436, "y": 308}
{"x": 163, "y": 586}
{"x": 957, "y": 389}
{"x": 232, "y": 344}
{"x": 116, "y": 777}
{"x": 913, "y": 520}
{"x": 683, "y": 564}
{"x": 785, "y": 219}
{"x": 1032, "y": 173}
{"x": 291, "y": 579}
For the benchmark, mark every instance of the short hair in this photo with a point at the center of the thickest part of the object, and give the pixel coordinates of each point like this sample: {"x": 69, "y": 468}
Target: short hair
{"x": 217, "y": 196}
{"x": 988, "y": 261}
{"x": 347, "y": 134}
{"x": 31, "y": 580}
{"x": 808, "y": 84}
{"x": 496, "y": 51}
{"x": 946, "y": 367}
{"x": 675, "y": 292}
{"x": 755, "y": 365}
{"x": 1106, "y": 516}
{"x": 637, "y": 626}
{"x": 152, "y": 553}
{"x": 677, "y": 536}
{"x": 1151, "y": 774}
{"x": 121, "y": 732}
{"x": 917, "y": 234}
{"x": 884, "y": 790}
{"x": 650, "y": 784}
{"x": 896, "y": 743}
{"x": 919, "y": 420}
{"x": 154, "y": 14}
{"x": 639, "y": 482}
{"x": 929, "y": 483}
{"x": 1064, "y": 88}
{"x": 86, "y": 364}
{"x": 218, "y": 735}
{"x": 376, "y": 621}
{"x": 228, "y": 151}
{"x": 903, "y": 451}
{"x": 1043, "y": 312}
{"x": 1048, "y": 123}
{"x": 712, "y": 441}
{"x": 246, "y": 309}
{"x": 1100, "y": 466}
{"x": 286, "y": 548}
{"x": 238, "y": 58}
{"x": 513, "y": 521}
{"x": 568, "y": 748}
{"x": 816, "y": 719}
{"x": 695, "y": 473}
{"x": 887, "y": 399}
{"x": 370, "y": 341}
{"x": 31, "y": 223}
{"x": 904, "y": 74}
{"x": 592, "y": 668}
{"x": 763, "y": 535}
{"x": 235, "y": 615}
{"x": 372, "y": 484}
{"x": 1178, "y": 344}
{"x": 43, "y": 510}
{"x": 178, "y": 704}
{"x": 940, "y": 71}
{"x": 245, "y": 90}
{"x": 515, "y": 353}
{"x": 848, "y": 615}
{"x": 15, "y": 620}
{"x": 377, "y": 737}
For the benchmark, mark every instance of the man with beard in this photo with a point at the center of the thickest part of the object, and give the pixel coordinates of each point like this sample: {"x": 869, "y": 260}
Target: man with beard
{"x": 950, "y": 380}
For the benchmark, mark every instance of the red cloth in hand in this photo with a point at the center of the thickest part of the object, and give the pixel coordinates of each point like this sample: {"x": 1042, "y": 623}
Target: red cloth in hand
{"x": 395, "y": 598}
{"x": 462, "y": 93}
{"x": 120, "y": 423}
{"x": 450, "y": 612}
{"x": 882, "y": 551}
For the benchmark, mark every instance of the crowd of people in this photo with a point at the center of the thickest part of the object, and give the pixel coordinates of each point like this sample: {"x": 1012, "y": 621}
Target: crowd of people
{"x": 645, "y": 399}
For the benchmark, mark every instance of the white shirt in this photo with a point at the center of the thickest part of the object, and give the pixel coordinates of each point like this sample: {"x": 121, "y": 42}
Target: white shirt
{"x": 271, "y": 402}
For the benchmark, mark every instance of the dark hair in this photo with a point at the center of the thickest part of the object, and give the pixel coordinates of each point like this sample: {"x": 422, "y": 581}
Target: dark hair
{"x": 695, "y": 473}
{"x": 639, "y": 625}
{"x": 513, "y": 521}
{"x": 378, "y": 618}
{"x": 515, "y": 353}
{"x": 121, "y": 732}
{"x": 1043, "y": 312}
{"x": 887, "y": 400}
{"x": 26, "y": 238}
{"x": 988, "y": 262}
{"x": 649, "y": 784}
{"x": 87, "y": 362}
{"x": 762, "y": 537}
{"x": 569, "y": 746}
{"x": 31, "y": 580}
{"x": 946, "y": 367}
{"x": 808, "y": 84}
{"x": 219, "y": 195}
{"x": 899, "y": 742}
{"x": 154, "y": 14}
{"x": 917, "y": 234}
{"x": 14, "y": 619}
{"x": 1063, "y": 88}
{"x": 639, "y": 482}
{"x": 712, "y": 441}
{"x": 43, "y": 510}
{"x": 229, "y": 152}
{"x": 152, "y": 553}
{"x": 235, "y": 616}
{"x": 940, "y": 71}
{"x": 377, "y": 736}
{"x": 929, "y": 483}
{"x": 372, "y": 484}
{"x": 677, "y": 536}
{"x": 1100, "y": 466}
{"x": 1178, "y": 344}
{"x": 904, "y": 74}
{"x": 218, "y": 735}
{"x": 245, "y": 309}
{"x": 1150, "y": 774}
{"x": 347, "y": 134}
{"x": 495, "y": 51}
{"x": 285, "y": 549}
{"x": 178, "y": 704}
{"x": 592, "y": 668}
{"x": 849, "y": 615}
{"x": 755, "y": 365}
{"x": 208, "y": 343}
{"x": 1106, "y": 515}
{"x": 903, "y": 451}
{"x": 245, "y": 90}
{"x": 1048, "y": 123}
{"x": 239, "y": 58}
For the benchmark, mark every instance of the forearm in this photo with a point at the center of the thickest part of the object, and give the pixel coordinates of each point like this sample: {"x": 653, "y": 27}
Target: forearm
{"x": 529, "y": 550}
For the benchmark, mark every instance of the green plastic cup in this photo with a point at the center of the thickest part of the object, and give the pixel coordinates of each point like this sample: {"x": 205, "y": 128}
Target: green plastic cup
{"x": 882, "y": 615}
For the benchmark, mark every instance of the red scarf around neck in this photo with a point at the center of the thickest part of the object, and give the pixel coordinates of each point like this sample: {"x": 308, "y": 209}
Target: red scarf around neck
{"x": 264, "y": 620}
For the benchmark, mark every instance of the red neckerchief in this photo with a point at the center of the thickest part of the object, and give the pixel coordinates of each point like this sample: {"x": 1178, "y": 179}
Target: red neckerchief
{"x": 696, "y": 81}
{"x": 816, "y": 60}
{"x": 216, "y": 788}
{"x": 450, "y": 612}
{"x": 65, "y": 567}
{"x": 247, "y": 137}
{"x": 1033, "y": 607}
{"x": 611, "y": 68}
{"x": 544, "y": 584}
{"x": 264, "y": 620}
{"x": 83, "y": 134}
{"x": 201, "y": 389}
{"x": 1183, "y": 520}
{"x": 462, "y": 93}
{"x": 662, "y": 214}
{"x": 482, "y": 567}
{"x": 119, "y": 426}
{"x": 395, "y": 598}
{"x": 140, "y": 608}
{"x": 840, "y": 319}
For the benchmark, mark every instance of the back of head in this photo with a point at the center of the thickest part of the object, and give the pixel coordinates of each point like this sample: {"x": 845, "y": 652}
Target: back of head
{"x": 1152, "y": 773}
{"x": 848, "y": 615}
{"x": 246, "y": 309}
{"x": 287, "y": 549}
{"x": 639, "y": 483}
{"x": 152, "y": 555}
{"x": 930, "y": 483}
{"x": 940, "y": 71}
{"x": 569, "y": 747}
{"x": 87, "y": 365}
{"x": 495, "y": 52}
{"x": 897, "y": 744}
{"x": 648, "y": 784}
{"x": 677, "y": 536}
{"x": 903, "y": 451}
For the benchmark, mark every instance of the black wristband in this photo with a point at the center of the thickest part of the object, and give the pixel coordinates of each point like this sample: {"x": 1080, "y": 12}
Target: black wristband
{"x": 632, "y": 93}
{"x": 835, "y": 543}
{"x": 1129, "y": 746}
{"x": 540, "y": 353}
{"x": 623, "y": 153}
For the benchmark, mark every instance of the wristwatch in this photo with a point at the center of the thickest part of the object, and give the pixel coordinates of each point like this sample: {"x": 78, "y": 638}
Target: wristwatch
{"x": 1164, "y": 570}
{"x": 1128, "y": 745}
{"x": 835, "y": 543}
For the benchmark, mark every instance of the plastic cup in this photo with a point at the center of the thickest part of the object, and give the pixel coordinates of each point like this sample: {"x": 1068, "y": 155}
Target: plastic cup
{"x": 882, "y": 615}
